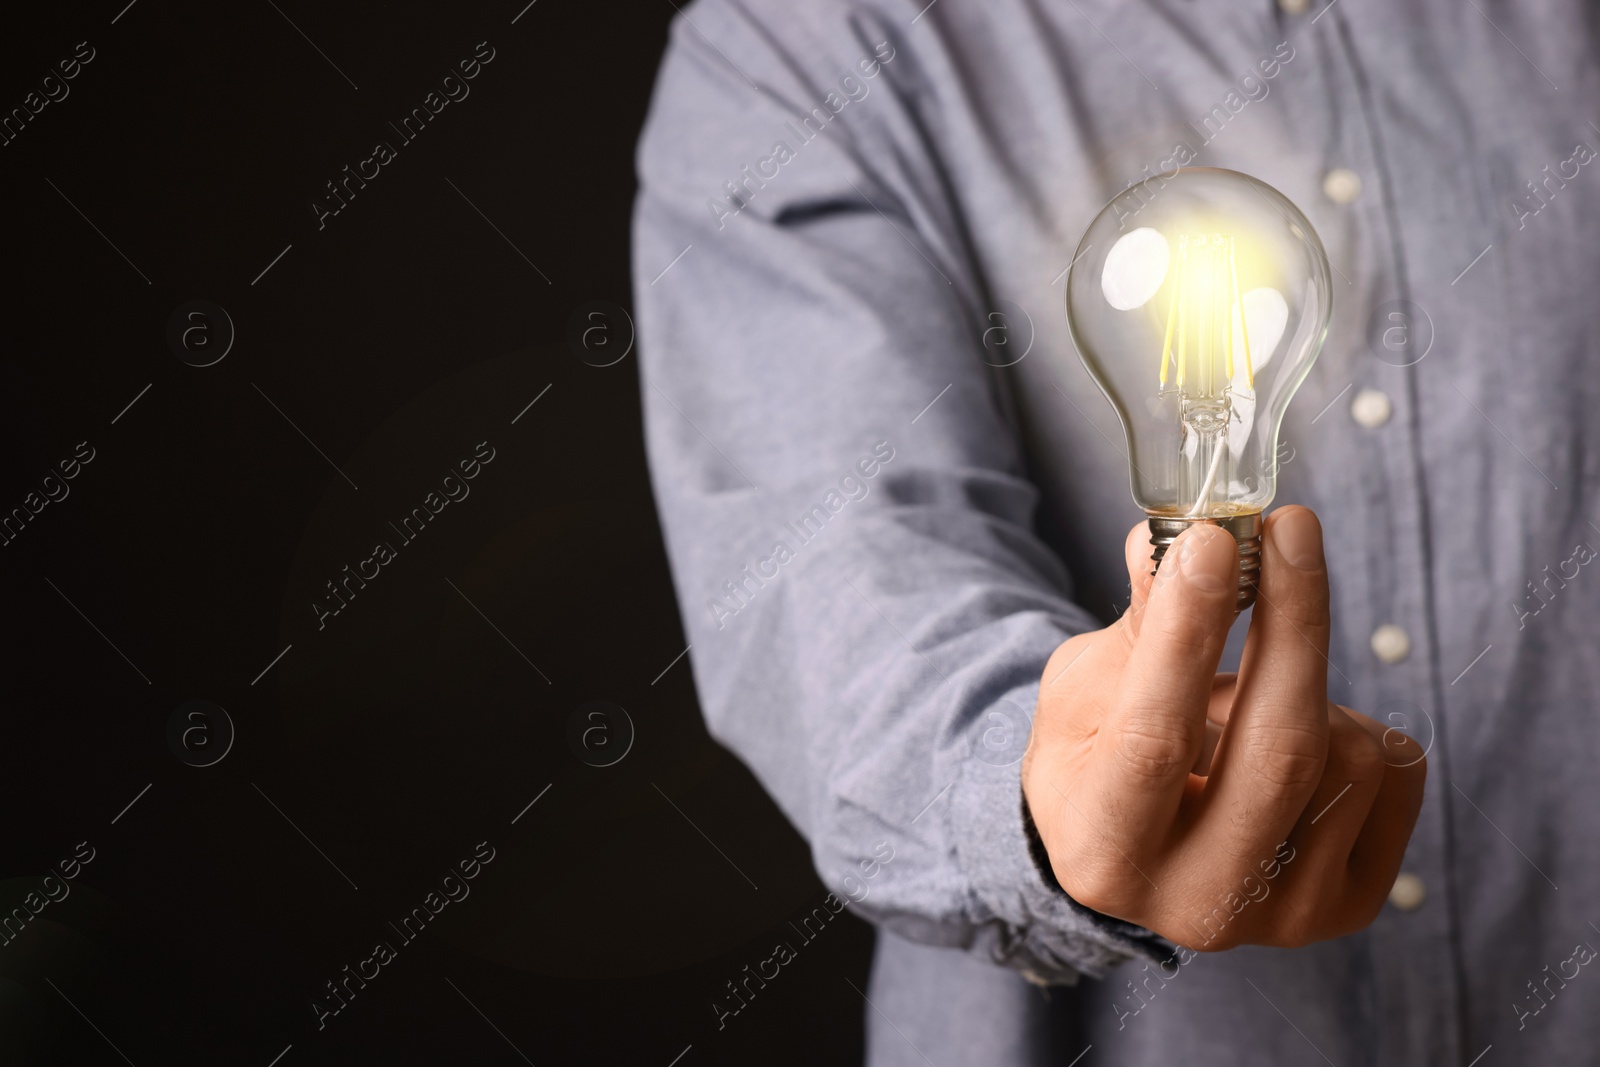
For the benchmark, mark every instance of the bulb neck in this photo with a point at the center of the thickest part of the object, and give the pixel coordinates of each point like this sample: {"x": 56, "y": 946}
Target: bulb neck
{"x": 1246, "y": 531}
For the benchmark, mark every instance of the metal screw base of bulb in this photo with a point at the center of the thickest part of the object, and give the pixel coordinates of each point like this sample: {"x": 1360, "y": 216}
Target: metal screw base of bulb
{"x": 1246, "y": 531}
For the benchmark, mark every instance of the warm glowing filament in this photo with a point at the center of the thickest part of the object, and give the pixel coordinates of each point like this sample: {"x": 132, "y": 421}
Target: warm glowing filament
{"x": 1205, "y": 293}
{"x": 1244, "y": 325}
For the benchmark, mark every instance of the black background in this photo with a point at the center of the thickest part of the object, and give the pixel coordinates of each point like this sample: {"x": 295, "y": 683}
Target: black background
{"x": 423, "y": 718}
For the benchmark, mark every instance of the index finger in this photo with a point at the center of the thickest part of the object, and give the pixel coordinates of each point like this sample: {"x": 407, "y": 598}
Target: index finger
{"x": 1270, "y": 757}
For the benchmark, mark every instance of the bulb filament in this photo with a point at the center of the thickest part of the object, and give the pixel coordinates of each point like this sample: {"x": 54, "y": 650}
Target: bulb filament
{"x": 1204, "y": 305}
{"x": 1198, "y": 349}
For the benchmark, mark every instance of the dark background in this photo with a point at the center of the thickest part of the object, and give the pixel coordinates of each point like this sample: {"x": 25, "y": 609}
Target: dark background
{"x": 448, "y": 702}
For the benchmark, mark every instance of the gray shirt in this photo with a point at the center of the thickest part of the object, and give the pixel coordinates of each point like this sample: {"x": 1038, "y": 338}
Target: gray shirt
{"x": 890, "y": 490}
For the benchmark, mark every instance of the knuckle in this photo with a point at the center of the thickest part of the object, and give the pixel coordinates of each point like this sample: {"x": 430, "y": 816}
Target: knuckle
{"x": 1292, "y": 937}
{"x": 1286, "y": 760}
{"x": 1356, "y": 914}
{"x": 1355, "y": 755}
{"x": 1404, "y": 753}
{"x": 1155, "y": 746}
{"x": 1370, "y": 909}
{"x": 1299, "y": 923}
{"x": 1093, "y": 881}
{"x": 1219, "y": 918}
{"x": 1201, "y": 925}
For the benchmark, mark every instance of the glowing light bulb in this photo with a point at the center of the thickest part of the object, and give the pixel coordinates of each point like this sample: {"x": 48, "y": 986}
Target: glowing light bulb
{"x": 1199, "y": 300}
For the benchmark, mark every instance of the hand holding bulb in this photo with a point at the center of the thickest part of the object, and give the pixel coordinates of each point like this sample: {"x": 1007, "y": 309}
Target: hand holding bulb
{"x": 1214, "y": 809}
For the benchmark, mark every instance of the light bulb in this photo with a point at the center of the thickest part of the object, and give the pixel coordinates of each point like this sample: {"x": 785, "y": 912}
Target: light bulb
{"x": 1198, "y": 299}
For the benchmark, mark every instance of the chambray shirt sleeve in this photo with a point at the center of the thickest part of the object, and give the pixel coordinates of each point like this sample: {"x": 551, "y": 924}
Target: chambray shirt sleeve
{"x": 869, "y": 644}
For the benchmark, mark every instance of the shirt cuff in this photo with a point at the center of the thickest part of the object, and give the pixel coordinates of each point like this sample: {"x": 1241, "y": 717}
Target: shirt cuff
{"x": 1032, "y": 924}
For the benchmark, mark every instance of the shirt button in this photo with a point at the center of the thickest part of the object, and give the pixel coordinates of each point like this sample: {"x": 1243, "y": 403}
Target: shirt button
{"x": 1341, "y": 185}
{"x": 1390, "y": 643}
{"x": 1371, "y": 408}
{"x": 1294, "y": 7}
{"x": 1408, "y": 892}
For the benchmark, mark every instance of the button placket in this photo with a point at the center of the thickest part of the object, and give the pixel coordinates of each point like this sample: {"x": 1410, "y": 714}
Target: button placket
{"x": 1417, "y": 1002}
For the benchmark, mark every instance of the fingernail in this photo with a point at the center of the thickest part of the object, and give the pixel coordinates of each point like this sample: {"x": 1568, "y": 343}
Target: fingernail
{"x": 1201, "y": 565}
{"x": 1298, "y": 537}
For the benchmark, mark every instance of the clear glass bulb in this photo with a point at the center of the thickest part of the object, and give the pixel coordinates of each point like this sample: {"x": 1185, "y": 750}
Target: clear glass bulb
{"x": 1198, "y": 299}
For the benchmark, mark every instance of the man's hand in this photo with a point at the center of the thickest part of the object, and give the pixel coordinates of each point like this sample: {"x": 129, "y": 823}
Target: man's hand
{"x": 1219, "y": 810}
